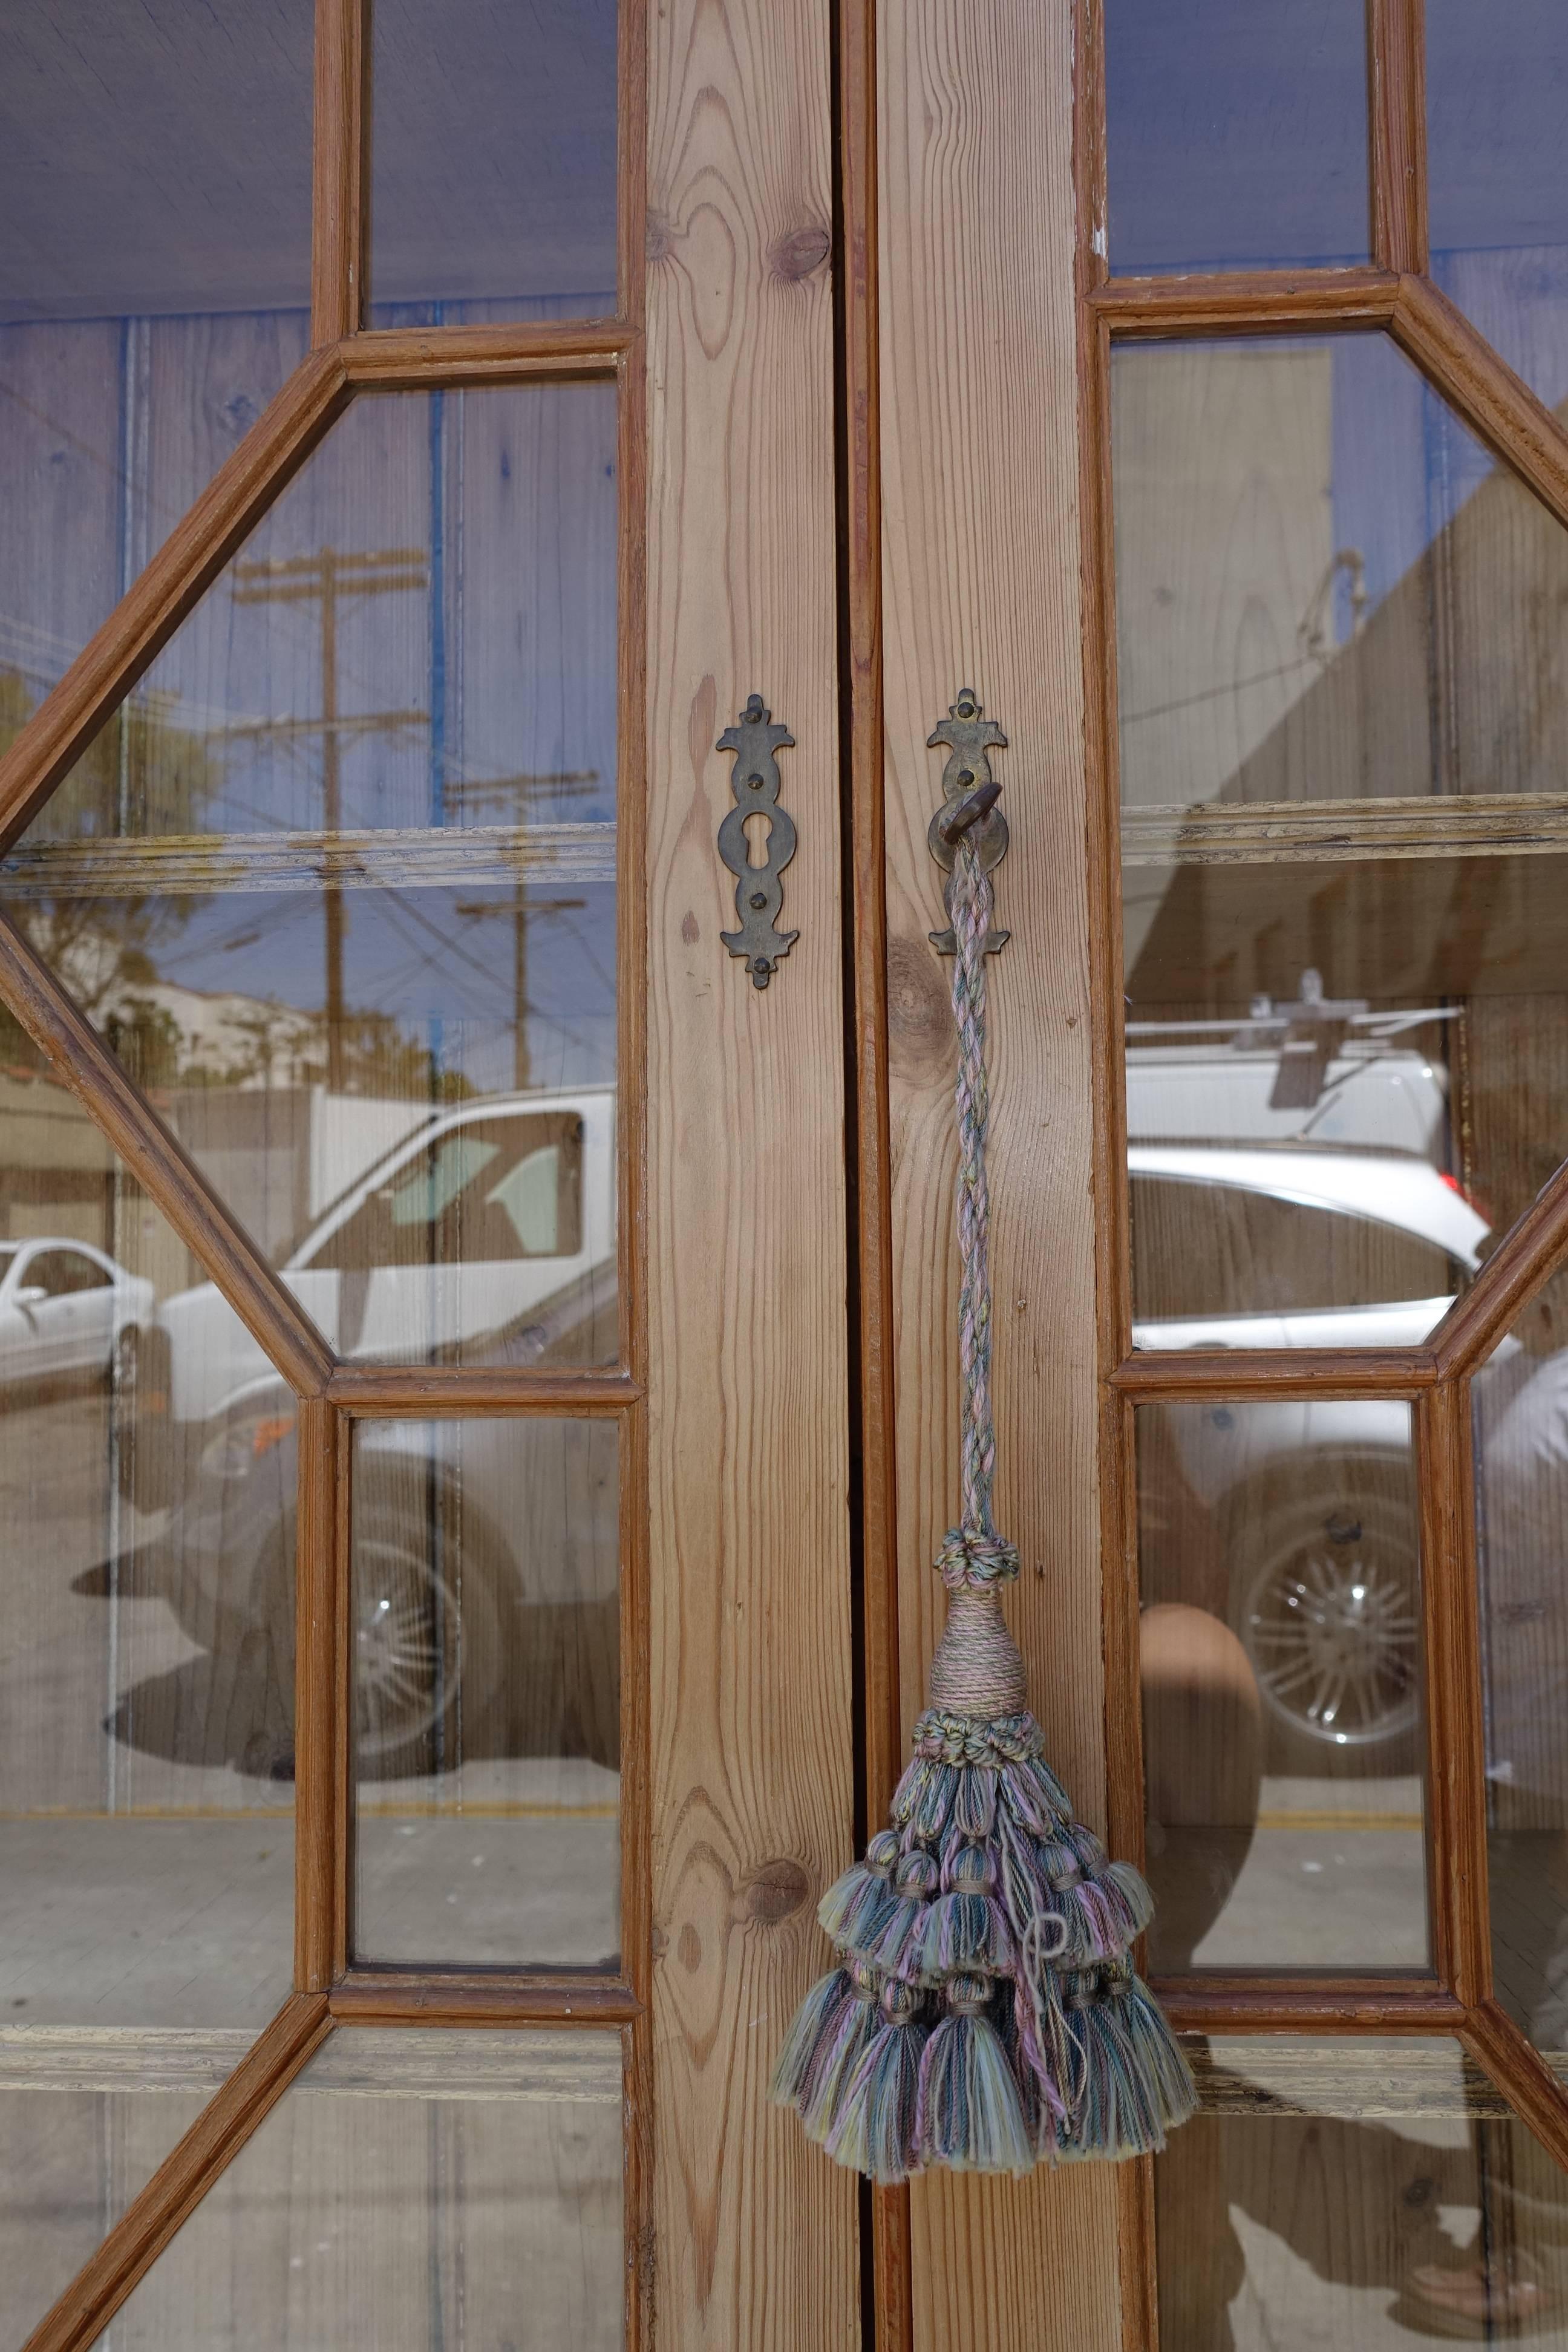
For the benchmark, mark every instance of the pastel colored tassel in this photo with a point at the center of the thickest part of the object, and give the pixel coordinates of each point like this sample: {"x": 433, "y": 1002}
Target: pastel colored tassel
{"x": 876, "y": 2128}
{"x": 987, "y": 2016}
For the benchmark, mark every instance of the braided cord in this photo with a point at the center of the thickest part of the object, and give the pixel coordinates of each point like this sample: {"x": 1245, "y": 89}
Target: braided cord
{"x": 970, "y": 904}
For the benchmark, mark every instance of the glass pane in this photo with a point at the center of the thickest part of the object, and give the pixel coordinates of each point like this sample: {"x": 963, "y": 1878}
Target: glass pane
{"x": 1497, "y": 89}
{"x": 146, "y": 1810}
{"x": 1518, "y": 1401}
{"x": 338, "y": 883}
{"x": 1413, "y": 2212}
{"x": 1282, "y": 1699}
{"x": 1236, "y": 135}
{"x": 71, "y": 2159}
{"x": 494, "y": 180}
{"x": 412, "y": 2192}
{"x": 155, "y": 279}
{"x": 486, "y": 1607}
{"x": 1345, "y": 827}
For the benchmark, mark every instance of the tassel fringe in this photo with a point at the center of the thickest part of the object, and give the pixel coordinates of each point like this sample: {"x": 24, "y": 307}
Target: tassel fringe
{"x": 985, "y": 2015}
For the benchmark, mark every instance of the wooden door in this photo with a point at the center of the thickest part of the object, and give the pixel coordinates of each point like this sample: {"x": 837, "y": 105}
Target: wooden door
{"x": 483, "y": 1597}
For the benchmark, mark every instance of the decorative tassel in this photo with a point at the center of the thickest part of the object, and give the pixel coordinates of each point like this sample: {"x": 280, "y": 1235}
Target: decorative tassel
{"x": 970, "y": 2115}
{"x": 987, "y": 2016}
{"x": 832, "y": 2030}
{"x": 876, "y": 2131}
{"x": 1137, "y": 2086}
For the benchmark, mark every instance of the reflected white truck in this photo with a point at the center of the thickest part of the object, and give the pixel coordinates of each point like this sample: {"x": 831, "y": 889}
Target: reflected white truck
{"x": 443, "y": 1249}
{"x": 1303, "y": 1498}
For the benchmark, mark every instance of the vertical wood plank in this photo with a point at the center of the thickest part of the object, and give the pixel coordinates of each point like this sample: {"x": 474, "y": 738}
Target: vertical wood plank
{"x": 981, "y": 587}
{"x": 752, "y": 1705}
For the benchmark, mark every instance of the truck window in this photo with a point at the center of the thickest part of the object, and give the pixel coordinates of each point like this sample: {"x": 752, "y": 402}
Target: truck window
{"x": 489, "y": 1191}
{"x": 1224, "y": 1249}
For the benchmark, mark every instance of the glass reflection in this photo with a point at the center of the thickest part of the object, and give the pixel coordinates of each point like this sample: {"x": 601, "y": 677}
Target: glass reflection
{"x": 1281, "y": 1672}
{"x": 72, "y": 2157}
{"x": 487, "y": 1691}
{"x": 1497, "y": 87}
{"x": 1342, "y": 741}
{"x": 413, "y": 2191}
{"x": 1235, "y": 136}
{"x": 154, "y": 284}
{"x": 493, "y": 167}
{"x": 338, "y": 885}
{"x": 1519, "y": 1405}
{"x": 1404, "y": 2206}
{"x": 146, "y": 1812}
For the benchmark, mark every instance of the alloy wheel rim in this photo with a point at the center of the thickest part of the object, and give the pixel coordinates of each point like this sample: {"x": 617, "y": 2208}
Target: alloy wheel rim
{"x": 408, "y": 1656}
{"x": 1332, "y": 1630}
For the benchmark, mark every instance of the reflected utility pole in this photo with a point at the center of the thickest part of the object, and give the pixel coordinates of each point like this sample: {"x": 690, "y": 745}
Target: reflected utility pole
{"x": 469, "y": 790}
{"x": 478, "y": 910}
{"x": 324, "y": 578}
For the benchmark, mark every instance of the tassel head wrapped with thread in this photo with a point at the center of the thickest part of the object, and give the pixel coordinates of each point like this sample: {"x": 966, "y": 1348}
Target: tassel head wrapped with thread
{"x": 985, "y": 2014}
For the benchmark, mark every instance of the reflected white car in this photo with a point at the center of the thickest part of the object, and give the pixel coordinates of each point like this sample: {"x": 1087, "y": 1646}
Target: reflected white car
{"x": 67, "y": 1308}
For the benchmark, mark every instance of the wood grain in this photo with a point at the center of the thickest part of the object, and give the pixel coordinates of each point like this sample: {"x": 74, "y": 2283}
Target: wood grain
{"x": 1292, "y": 2075}
{"x": 1243, "y": 1373}
{"x": 1469, "y": 1330}
{"x": 1497, "y": 406}
{"x": 1214, "y": 2004}
{"x": 873, "y": 1292}
{"x": 396, "y": 1391}
{"x": 521, "y": 350}
{"x": 320, "y": 1871}
{"x": 1456, "y": 1728}
{"x": 481, "y": 1997}
{"x": 1530, "y": 2087}
{"x": 981, "y": 587}
{"x": 339, "y": 226}
{"x": 165, "y": 1173}
{"x": 1396, "y": 118}
{"x": 190, "y": 559}
{"x": 752, "y": 1691}
{"x": 395, "y": 857}
{"x": 149, "y": 2223}
{"x": 1319, "y": 832}
{"x": 1247, "y": 303}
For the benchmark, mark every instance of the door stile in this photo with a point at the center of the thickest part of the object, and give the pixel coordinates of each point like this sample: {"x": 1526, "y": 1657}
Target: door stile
{"x": 340, "y": 206}
{"x": 749, "y": 1575}
{"x": 1396, "y": 90}
{"x": 322, "y": 1824}
{"x": 982, "y": 518}
{"x": 869, "y": 1153}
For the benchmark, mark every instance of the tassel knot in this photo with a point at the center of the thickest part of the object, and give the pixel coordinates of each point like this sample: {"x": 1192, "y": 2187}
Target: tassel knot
{"x": 969, "y": 1557}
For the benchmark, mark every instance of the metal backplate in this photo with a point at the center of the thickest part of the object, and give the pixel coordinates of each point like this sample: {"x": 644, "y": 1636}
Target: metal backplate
{"x": 970, "y": 738}
{"x": 759, "y": 890}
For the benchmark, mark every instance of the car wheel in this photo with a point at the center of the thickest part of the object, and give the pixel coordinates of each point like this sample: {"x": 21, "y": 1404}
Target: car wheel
{"x": 426, "y": 1651}
{"x": 1327, "y": 1608}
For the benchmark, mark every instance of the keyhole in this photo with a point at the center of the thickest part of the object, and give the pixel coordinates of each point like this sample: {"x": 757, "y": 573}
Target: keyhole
{"x": 757, "y": 829}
